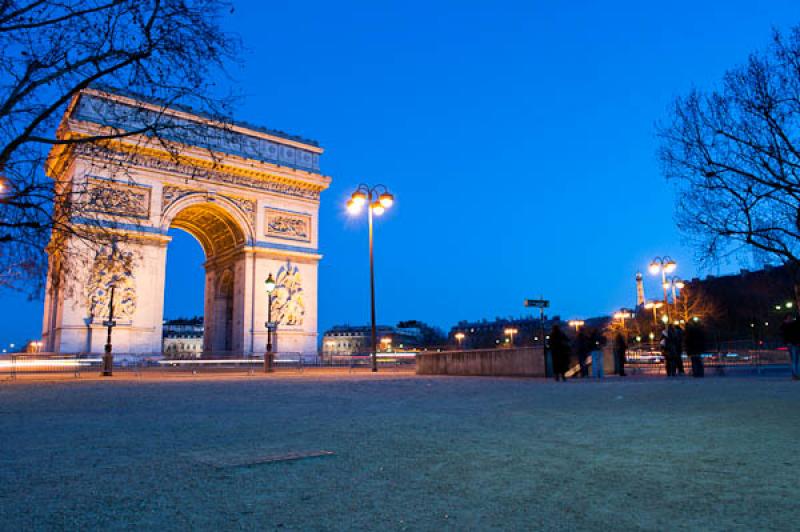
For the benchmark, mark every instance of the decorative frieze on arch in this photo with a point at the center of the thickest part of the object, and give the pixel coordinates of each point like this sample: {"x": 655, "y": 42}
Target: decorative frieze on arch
{"x": 112, "y": 267}
{"x": 288, "y": 305}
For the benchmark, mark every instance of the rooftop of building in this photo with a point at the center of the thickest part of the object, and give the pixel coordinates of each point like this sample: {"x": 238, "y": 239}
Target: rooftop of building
{"x": 185, "y": 108}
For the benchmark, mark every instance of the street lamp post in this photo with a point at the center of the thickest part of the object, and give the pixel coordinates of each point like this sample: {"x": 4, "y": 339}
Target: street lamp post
{"x": 108, "y": 356}
{"x": 511, "y": 331}
{"x": 576, "y": 323}
{"x": 379, "y": 199}
{"x": 676, "y": 284}
{"x": 269, "y": 285}
{"x": 655, "y": 305}
{"x": 663, "y": 265}
{"x": 459, "y": 336}
{"x": 622, "y": 315}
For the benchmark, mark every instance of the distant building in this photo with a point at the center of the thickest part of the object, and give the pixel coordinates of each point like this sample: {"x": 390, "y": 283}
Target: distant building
{"x": 347, "y": 340}
{"x": 183, "y": 338}
{"x": 486, "y": 334}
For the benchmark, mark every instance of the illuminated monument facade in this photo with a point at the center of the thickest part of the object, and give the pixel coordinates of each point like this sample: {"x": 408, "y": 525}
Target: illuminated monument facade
{"x": 249, "y": 196}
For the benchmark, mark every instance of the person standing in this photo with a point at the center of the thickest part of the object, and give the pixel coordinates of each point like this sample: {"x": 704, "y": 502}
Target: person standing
{"x": 666, "y": 351}
{"x": 620, "y": 348}
{"x": 695, "y": 341}
{"x": 790, "y": 331}
{"x": 583, "y": 348}
{"x": 597, "y": 341}
{"x": 560, "y": 352}
{"x": 677, "y": 346}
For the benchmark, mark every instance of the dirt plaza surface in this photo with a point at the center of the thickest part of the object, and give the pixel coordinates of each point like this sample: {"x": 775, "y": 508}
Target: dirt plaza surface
{"x": 409, "y": 453}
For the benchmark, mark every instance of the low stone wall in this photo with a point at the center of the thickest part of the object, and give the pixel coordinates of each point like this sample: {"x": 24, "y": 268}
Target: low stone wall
{"x": 519, "y": 362}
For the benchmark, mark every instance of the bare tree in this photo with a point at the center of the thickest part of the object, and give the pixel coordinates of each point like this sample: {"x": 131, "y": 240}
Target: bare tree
{"x": 168, "y": 52}
{"x": 734, "y": 153}
{"x": 694, "y": 302}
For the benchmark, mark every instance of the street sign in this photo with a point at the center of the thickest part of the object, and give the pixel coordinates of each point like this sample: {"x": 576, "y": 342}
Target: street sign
{"x": 108, "y": 323}
{"x": 537, "y": 303}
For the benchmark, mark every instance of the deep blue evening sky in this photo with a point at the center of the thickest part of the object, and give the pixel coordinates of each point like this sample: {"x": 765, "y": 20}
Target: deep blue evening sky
{"x": 517, "y": 137}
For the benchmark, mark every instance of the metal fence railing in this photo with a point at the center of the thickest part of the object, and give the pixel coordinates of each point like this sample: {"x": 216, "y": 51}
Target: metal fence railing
{"x": 77, "y": 365}
{"x": 649, "y": 359}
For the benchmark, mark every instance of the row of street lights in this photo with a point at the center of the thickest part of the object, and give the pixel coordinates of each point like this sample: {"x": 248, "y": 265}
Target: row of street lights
{"x": 508, "y": 331}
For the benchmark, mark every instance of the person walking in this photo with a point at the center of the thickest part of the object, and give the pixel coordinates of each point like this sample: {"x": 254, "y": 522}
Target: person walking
{"x": 790, "y": 331}
{"x": 560, "y": 352}
{"x": 620, "y": 348}
{"x": 695, "y": 342}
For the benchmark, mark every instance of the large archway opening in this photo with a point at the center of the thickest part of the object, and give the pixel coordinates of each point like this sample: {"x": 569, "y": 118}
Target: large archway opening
{"x": 216, "y": 288}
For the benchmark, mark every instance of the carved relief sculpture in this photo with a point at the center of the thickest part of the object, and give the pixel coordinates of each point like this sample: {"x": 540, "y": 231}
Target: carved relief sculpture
{"x": 283, "y": 224}
{"x": 112, "y": 267}
{"x": 119, "y": 199}
{"x": 287, "y": 304}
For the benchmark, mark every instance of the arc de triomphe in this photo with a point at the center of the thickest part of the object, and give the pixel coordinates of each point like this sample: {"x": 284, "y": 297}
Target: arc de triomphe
{"x": 249, "y": 196}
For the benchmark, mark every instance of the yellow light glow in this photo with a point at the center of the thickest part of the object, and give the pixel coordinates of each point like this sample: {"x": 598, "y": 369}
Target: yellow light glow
{"x": 353, "y": 207}
{"x": 386, "y": 199}
{"x": 359, "y": 198}
{"x": 459, "y": 336}
{"x": 269, "y": 284}
{"x": 670, "y": 266}
{"x": 664, "y": 318}
{"x": 377, "y": 208}
{"x": 654, "y": 268}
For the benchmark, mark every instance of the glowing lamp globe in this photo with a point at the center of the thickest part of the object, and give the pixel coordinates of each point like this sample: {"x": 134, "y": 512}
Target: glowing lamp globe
{"x": 269, "y": 284}
{"x": 353, "y": 207}
{"x": 359, "y": 198}
{"x": 386, "y": 199}
{"x": 377, "y": 208}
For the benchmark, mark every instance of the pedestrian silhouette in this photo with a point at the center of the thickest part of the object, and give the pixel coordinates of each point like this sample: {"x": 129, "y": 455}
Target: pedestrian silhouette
{"x": 620, "y": 348}
{"x": 790, "y": 330}
{"x": 583, "y": 347}
{"x": 560, "y": 352}
{"x": 695, "y": 342}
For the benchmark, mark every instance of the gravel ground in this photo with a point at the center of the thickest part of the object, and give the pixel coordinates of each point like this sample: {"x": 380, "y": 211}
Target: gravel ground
{"x": 411, "y": 453}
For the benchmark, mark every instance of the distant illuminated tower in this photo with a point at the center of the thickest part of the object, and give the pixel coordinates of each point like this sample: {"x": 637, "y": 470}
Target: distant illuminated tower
{"x": 639, "y": 290}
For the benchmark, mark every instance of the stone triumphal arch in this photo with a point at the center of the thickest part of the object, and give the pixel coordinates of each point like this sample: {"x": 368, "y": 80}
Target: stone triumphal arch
{"x": 249, "y": 196}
